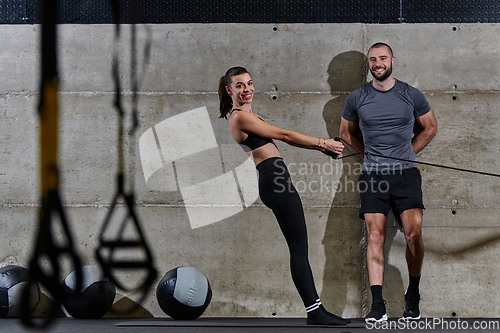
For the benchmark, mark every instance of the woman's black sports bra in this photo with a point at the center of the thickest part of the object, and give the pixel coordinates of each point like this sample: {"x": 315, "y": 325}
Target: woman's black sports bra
{"x": 253, "y": 142}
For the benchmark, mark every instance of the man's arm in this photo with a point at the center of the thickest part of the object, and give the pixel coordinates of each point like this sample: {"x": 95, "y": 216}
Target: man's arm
{"x": 429, "y": 130}
{"x": 346, "y": 132}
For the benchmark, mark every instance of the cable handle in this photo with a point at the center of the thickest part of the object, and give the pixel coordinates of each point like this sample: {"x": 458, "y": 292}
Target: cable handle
{"x": 336, "y": 156}
{"x": 48, "y": 249}
{"x": 106, "y": 252}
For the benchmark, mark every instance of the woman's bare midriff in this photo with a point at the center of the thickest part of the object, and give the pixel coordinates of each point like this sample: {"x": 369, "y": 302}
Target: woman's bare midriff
{"x": 263, "y": 153}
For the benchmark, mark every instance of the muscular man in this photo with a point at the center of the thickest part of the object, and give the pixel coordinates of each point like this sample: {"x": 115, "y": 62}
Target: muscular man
{"x": 386, "y": 110}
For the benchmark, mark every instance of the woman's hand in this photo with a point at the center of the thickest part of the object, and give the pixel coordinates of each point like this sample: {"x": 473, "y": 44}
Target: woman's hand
{"x": 332, "y": 147}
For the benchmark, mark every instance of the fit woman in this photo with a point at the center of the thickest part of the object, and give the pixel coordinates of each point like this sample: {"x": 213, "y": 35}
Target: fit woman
{"x": 276, "y": 191}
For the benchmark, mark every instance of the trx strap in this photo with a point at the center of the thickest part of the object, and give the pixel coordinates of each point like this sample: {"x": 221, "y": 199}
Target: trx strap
{"x": 368, "y": 155}
{"x": 106, "y": 253}
{"x": 49, "y": 250}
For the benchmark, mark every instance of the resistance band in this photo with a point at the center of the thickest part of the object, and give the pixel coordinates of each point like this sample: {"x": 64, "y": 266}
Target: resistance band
{"x": 368, "y": 155}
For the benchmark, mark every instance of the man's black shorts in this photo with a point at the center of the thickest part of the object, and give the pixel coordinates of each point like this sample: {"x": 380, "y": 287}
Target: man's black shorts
{"x": 400, "y": 189}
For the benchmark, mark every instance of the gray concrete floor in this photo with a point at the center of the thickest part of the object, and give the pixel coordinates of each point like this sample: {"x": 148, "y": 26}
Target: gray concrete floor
{"x": 243, "y": 325}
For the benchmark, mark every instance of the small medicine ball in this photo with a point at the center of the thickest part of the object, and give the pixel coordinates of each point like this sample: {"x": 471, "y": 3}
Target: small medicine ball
{"x": 13, "y": 281}
{"x": 184, "y": 293}
{"x": 95, "y": 297}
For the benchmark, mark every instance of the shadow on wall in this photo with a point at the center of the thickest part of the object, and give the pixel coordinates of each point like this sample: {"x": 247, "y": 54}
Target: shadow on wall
{"x": 345, "y": 285}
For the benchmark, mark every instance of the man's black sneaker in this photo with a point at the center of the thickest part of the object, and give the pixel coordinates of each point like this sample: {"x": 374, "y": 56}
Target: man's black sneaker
{"x": 411, "y": 310}
{"x": 377, "y": 313}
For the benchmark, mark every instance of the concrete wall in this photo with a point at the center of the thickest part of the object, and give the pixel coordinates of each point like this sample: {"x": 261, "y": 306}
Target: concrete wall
{"x": 302, "y": 74}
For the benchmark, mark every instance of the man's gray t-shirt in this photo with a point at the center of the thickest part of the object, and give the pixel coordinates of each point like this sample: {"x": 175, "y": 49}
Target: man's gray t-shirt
{"x": 386, "y": 120}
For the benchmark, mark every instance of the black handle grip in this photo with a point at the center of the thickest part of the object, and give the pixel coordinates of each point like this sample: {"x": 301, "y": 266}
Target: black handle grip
{"x": 335, "y": 156}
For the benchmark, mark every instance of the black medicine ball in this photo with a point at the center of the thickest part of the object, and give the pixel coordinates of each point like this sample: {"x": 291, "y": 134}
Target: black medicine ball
{"x": 13, "y": 281}
{"x": 95, "y": 297}
{"x": 184, "y": 293}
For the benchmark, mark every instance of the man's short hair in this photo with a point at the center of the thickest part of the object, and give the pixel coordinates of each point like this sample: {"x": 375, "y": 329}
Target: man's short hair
{"x": 379, "y": 45}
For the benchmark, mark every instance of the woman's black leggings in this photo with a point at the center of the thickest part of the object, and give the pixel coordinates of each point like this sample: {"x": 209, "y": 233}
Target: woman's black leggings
{"x": 278, "y": 193}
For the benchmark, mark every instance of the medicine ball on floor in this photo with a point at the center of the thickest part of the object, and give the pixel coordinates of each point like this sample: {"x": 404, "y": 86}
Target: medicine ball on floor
{"x": 95, "y": 297}
{"x": 13, "y": 280}
{"x": 184, "y": 293}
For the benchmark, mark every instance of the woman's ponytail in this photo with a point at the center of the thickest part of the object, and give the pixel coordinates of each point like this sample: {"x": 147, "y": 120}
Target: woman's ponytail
{"x": 226, "y": 102}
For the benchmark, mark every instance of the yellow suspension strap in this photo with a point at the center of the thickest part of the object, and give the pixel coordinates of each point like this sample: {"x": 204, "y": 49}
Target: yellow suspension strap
{"x": 115, "y": 240}
{"x": 49, "y": 249}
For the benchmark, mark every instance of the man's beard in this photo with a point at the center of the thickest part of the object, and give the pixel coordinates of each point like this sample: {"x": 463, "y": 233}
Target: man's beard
{"x": 387, "y": 73}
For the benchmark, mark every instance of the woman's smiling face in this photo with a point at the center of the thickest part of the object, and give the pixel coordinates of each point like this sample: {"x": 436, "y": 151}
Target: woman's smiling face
{"x": 241, "y": 89}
